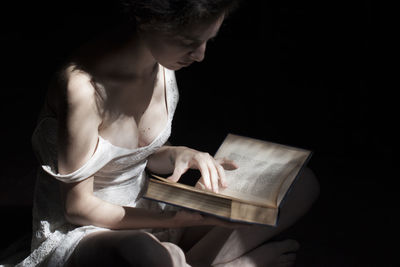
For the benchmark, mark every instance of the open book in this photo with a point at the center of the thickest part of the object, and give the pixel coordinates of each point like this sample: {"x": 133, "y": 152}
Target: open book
{"x": 255, "y": 190}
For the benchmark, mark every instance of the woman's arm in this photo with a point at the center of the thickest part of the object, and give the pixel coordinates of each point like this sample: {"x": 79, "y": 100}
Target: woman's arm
{"x": 81, "y": 207}
{"x": 162, "y": 161}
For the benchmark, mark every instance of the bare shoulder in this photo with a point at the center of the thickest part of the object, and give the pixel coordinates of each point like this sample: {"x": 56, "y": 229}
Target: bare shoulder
{"x": 79, "y": 119}
{"x": 77, "y": 85}
{"x": 77, "y": 94}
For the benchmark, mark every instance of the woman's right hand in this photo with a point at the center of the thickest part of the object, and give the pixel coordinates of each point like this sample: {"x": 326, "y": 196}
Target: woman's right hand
{"x": 212, "y": 170}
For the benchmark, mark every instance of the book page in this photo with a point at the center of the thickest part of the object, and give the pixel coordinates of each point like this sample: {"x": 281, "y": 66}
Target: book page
{"x": 264, "y": 168}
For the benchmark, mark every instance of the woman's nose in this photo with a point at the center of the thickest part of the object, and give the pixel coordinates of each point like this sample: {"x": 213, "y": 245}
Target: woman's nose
{"x": 199, "y": 53}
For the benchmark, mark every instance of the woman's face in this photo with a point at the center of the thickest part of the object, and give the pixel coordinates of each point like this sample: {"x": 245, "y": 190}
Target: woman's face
{"x": 180, "y": 50}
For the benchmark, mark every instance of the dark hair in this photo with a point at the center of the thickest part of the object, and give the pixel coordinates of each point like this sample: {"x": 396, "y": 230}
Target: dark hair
{"x": 90, "y": 19}
{"x": 172, "y": 16}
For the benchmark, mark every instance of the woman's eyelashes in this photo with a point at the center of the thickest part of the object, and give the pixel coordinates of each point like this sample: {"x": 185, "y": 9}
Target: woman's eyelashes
{"x": 188, "y": 43}
{"x": 193, "y": 43}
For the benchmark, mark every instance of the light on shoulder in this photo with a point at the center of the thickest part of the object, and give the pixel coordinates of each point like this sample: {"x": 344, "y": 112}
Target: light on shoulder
{"x": 79, "y": 88}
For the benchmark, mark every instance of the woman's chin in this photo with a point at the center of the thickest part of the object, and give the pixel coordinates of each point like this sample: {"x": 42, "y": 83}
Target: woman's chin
{"x": 175, "y": 66}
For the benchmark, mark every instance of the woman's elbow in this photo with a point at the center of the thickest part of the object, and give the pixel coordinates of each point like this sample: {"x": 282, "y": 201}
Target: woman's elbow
{"x": 72, "y": 216}
{"x": 77, "y": 199}
{"x": 75, "y": 211}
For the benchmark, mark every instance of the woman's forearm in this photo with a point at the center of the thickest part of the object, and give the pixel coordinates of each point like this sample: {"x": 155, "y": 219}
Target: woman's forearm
{"x": 163, "y": 160}
{"x": 94, "y": 211}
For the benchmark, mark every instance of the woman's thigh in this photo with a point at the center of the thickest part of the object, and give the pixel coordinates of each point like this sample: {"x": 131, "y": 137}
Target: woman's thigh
{"x": 120, "y": 248}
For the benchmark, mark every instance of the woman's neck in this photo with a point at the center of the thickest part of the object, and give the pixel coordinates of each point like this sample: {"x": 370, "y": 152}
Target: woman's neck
{"x": 114, "y": 56}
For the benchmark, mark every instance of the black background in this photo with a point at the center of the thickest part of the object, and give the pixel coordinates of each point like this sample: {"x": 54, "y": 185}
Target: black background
{"x": 302, "y": 73}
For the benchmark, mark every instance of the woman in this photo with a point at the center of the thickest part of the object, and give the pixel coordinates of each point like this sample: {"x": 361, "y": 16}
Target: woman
{"x": 107, "y": 118}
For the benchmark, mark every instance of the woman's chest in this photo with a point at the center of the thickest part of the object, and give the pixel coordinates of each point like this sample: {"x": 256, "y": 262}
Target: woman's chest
{"x": 138, "y": 131}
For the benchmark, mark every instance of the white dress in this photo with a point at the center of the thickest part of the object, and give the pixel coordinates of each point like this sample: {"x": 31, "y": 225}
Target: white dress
{"x": 119, "y": 178}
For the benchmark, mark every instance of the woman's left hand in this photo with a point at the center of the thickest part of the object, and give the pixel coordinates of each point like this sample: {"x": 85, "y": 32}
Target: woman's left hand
{"x": 212, "y": 170}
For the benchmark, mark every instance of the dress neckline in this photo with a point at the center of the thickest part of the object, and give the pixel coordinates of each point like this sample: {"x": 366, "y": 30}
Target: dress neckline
{"x": 167, "y": 100}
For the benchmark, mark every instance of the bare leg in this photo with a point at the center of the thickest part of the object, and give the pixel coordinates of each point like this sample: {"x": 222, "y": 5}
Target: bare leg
{"x": 125, "y": 248}
{"x": 277, "y": 254}
{"x": 222, "y": 245}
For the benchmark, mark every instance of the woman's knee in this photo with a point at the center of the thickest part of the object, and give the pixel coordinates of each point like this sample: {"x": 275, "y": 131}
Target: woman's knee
{"x": 300, "y": 199}
{"x": 141, "y": 249}
{"x": 305, "y": 190}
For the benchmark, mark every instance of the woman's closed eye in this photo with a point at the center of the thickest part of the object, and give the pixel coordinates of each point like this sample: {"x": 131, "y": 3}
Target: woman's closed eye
{"x": 189, "y": 43}
{"x": 195, "y": 44}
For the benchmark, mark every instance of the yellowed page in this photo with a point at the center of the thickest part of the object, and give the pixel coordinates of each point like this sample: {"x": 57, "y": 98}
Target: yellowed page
{"x": 265, "y": 169}
{"x": 255, "y": 214}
